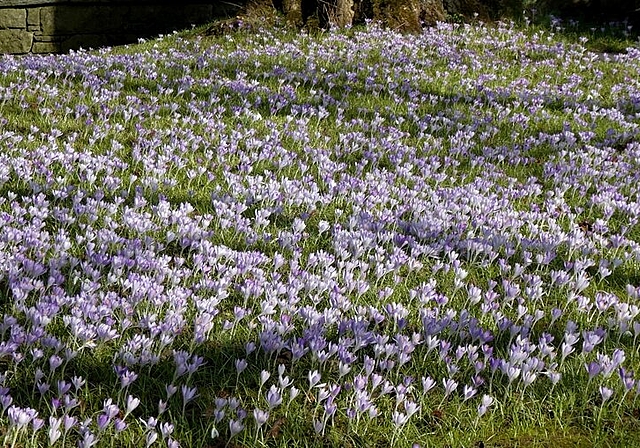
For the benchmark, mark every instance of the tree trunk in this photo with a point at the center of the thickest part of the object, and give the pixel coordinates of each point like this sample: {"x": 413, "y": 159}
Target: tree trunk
{"x": 293, "y": 12}
{"x": 431, "y": 12}
{"x": 363, "y": 11}
{"x": 399, "y": 15}
{"x": 466, "y": 8}
{"x": 344, "y": 13}
{"x": 335, "y": 13}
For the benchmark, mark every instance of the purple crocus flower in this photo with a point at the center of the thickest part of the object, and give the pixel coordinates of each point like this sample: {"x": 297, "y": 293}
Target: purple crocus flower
{"x": 274, "y": 398}
{"x": 235, "y": 427}
{"x": 605, "y": 393}
{"x": 260, "y": 417}
{"x": 450, "y": 385}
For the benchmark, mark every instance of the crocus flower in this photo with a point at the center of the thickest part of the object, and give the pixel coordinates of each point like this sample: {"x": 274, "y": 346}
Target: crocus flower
{"x": 399, "y": 419}
{"x": 54, "y": 432}
{"x": 132, "y": 404}
{"x": 264, "y": 376}
{"x": 274, "y": 398}
{"x": 449, "y": 386}
{"x": 235, "y": 427}
{"x": 150, "y": 437}
{"x": 260, "y": 417}
{"x": 605, "y": 393}
{"x": 241, "y": 364}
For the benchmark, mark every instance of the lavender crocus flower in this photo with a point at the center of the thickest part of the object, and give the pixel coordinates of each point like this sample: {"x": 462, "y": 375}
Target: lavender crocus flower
{"x": 605, "y": 393}
{"x": 132, "y": 404}
{"x": 188, "y": 394}
{"x": 102, "y": 421}
{"x": 19, "y": 418}
{"x": 54, "y": 432}
{"x": 166, "y": 429}
{"x": 486, "y": 402}
{"x": 264, "y": 376}
{"x": 468, "y": 392}
{"x": 235, "y": 427}
{"x": 274, "y": 398}
{"x": 399, "y": 419}
{"x": 241, "y": 364}
{"x": 450, "y": 385}
{"x": 260, "y": 417}
{"x": 150, "y": 438}
{"x": 314, "y": 378}
{"x": 593, "y": 369}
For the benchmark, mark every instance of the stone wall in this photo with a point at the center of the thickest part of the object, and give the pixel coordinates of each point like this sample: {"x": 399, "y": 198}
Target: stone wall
{"x": 52, "y": 26}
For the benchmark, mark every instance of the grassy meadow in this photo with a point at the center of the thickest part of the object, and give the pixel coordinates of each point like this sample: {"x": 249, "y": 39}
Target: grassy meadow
{"x": 351, "y": 238}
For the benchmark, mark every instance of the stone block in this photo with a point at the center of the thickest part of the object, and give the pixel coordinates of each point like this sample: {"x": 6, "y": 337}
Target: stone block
{"x": 39, "y": 37}
{"x": 68, "y": 19}
{"x": 33, "y": 18}
{"x": 13, "y": 18}
{"x": 46, "y": 47}
{"x": 15, "y": 41}
{"x": 48, "y": 19}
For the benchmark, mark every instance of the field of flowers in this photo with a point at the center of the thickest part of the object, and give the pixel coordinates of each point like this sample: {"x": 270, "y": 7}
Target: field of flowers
{"x": 349, "y": 239}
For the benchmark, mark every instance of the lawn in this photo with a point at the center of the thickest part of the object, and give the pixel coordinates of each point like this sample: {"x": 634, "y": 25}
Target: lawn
{"x": 349, "y": 238}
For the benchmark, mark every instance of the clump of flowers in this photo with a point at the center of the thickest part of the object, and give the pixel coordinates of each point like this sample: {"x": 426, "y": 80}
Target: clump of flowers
{"x": 343, "y": 233}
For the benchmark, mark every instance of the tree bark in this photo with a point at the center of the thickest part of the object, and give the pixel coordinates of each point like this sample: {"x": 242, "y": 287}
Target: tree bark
{"x": 293, "y": 12}
{"x": 344, "y": 13}
{"x": 363, "y": 11}
{"x": 431, "y": 12}
{"x": 335, "y": 13}
{"x": 399, "y": 15}
{"x": 466, "y": 8}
